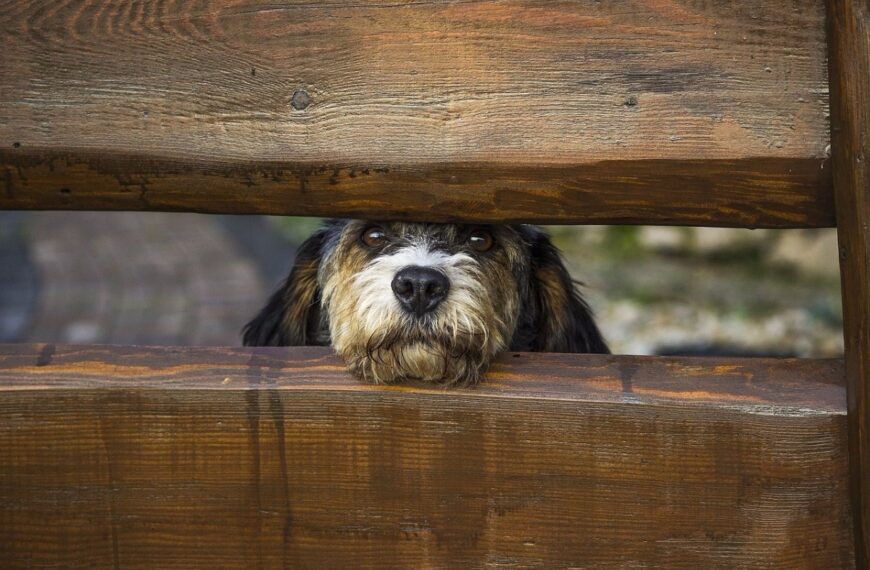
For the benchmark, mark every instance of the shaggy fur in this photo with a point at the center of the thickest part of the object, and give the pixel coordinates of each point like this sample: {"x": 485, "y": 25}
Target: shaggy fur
{"x": 517, "y": 295}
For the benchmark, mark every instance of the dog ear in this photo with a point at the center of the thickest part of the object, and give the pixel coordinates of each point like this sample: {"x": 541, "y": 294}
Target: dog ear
{"x": 292, "y": 315}
{"x": 555, "y": 317}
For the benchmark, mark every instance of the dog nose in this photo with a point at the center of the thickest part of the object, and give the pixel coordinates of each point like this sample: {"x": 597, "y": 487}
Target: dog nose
{"x": 420, "y": 289}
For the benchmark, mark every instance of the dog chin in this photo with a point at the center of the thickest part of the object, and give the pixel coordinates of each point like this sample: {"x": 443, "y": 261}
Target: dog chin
{"x": 419, "y": 361}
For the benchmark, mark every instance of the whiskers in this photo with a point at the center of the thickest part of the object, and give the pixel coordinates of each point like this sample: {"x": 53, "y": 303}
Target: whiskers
{"x": 424, "y": 349}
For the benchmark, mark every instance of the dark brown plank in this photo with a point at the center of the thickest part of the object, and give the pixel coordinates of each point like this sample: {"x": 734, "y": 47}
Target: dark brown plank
{"x": 199, "y": 458}
{"x": 849, "y": 33}
{"x": 705, "y": 113}
{"x": 743, "y": 193}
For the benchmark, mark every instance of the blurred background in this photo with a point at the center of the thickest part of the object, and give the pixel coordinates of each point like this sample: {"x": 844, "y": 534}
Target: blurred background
{"x": 188, "y": 279}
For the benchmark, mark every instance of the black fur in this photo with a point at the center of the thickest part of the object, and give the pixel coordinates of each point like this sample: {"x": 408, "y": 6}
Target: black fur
{"x": 270, "y": 326}
{"x": 535, "y": 330}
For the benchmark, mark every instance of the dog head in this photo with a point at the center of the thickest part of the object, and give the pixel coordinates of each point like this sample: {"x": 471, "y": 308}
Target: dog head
{"x": 430, "y": 302}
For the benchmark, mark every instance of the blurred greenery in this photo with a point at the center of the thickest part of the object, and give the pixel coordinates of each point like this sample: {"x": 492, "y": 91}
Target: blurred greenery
{"x": 295, "y": 229}
{"x": 622, "y": 242}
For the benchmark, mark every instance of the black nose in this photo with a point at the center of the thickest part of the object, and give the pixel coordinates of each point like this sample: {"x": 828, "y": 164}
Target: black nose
{"x": 420, "y": 289}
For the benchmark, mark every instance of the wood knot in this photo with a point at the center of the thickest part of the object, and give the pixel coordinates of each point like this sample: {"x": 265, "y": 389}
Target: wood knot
{"x": 300, "y": 100}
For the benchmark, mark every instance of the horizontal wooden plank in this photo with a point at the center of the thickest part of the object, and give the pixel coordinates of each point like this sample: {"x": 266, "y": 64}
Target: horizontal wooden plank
{"x": 561, "y": 112}
{"x": 207, "y": 457}
{"x": 772, "y": 193}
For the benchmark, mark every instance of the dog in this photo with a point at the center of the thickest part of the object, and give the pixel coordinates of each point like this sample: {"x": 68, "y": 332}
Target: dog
{"x": 427, "y": 302}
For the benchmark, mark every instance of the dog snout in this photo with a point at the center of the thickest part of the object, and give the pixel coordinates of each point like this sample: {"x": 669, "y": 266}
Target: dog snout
{"x": 420, "y": 289}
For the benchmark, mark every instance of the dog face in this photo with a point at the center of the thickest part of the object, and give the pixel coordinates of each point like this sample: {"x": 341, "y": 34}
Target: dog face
{"x": 430, "y": 302}
{"x": 426, "y": 302}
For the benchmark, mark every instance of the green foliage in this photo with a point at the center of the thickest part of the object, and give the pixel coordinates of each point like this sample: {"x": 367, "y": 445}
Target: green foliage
{"x": 623, "y": 242}
{"x": 295, "y": 229}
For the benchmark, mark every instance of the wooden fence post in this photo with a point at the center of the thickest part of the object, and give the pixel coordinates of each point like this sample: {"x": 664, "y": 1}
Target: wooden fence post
{"x": 849, "y": 60}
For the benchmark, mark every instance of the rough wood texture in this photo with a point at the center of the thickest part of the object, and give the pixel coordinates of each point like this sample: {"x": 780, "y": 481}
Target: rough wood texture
{"x": 704, "y": 113}
{"x": 205, "y": 458}
{"x": 849, "y": 31}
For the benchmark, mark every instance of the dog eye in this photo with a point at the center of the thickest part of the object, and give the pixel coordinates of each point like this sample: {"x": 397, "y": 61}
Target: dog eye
{"x": 480, "y": 240}
{"x": 374, "y": 236}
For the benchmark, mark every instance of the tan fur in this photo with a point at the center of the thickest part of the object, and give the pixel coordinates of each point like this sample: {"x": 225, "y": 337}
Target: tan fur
{"x": 300, "y": 297}
{"x": 556, "y": 299}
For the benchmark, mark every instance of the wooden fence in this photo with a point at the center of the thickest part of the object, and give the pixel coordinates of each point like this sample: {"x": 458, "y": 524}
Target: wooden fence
{"x": 686, "y": 113}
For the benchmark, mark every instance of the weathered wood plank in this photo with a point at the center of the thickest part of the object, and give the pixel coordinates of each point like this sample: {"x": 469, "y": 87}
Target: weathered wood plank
{"x": 849, "y": 31}
{"x": 682, "y": 112}
{"x": 195, "y": 458}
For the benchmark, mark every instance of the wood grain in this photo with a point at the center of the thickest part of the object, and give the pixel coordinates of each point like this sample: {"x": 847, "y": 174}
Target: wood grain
{"x": 205, "y": 458}
{"x": 670, "y": 112}
{"x": 850, "y": 122}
